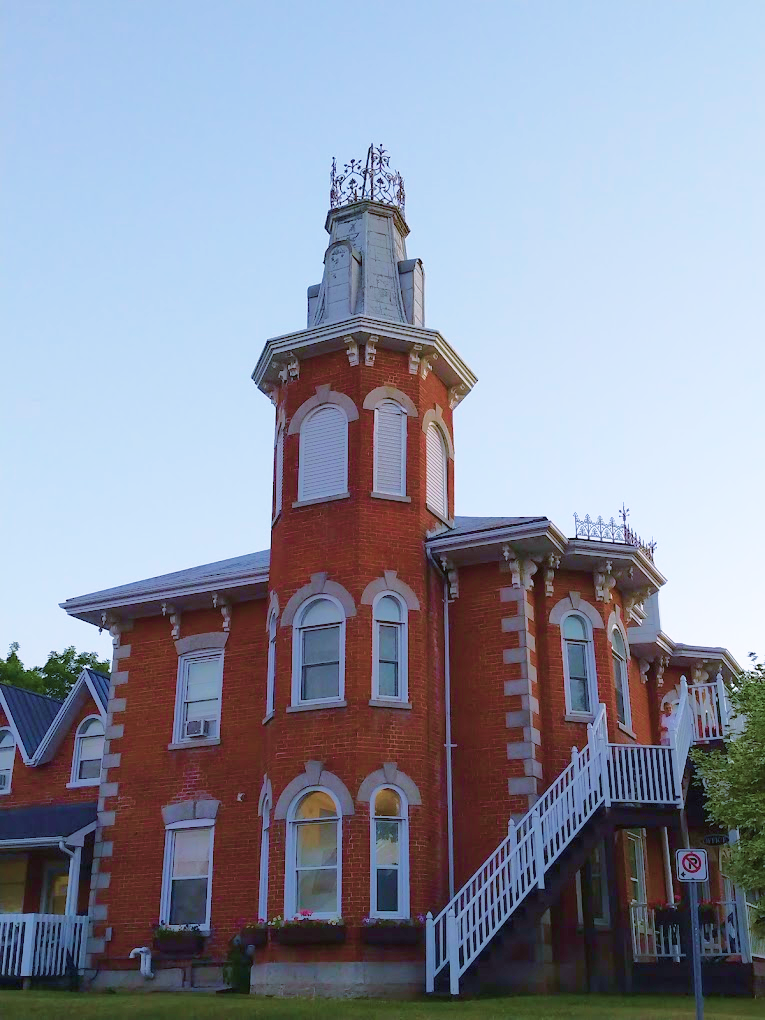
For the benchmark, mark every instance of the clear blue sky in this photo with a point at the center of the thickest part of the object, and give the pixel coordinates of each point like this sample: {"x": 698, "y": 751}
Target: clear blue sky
{"x": 584, "y": 186}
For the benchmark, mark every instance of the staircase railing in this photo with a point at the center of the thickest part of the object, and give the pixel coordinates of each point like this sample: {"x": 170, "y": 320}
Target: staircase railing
{"x": 599, "y": 774}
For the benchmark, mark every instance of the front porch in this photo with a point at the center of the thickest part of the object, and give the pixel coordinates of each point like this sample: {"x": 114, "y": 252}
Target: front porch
{"x": 46, "y": 856}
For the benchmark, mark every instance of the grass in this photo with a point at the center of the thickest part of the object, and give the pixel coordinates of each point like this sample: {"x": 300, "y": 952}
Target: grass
{"x": 16, "y": 1005}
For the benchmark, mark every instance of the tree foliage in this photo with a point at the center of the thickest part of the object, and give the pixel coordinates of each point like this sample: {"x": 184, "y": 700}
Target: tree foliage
{"x": 56, "y": 677}
{"x": 734, "y": 781}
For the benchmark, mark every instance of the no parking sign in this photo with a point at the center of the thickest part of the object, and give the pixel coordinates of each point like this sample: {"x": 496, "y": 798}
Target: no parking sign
{"x": 692, "y": 865}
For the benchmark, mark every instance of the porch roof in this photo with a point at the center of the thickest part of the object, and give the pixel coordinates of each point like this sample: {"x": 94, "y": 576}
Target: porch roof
{"x": 46, "y": 824}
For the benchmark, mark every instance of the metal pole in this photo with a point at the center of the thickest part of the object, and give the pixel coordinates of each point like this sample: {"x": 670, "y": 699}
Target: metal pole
{"x": 696, "y": 951}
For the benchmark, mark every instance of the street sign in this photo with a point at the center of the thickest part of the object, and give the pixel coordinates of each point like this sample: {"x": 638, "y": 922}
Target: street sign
{"x": 719, "y": 839}
{"x": 692, "y": 865}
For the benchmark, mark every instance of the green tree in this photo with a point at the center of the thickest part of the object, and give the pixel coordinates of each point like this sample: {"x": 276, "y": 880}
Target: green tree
{"x": 56, "y": 677}
{"x": 734, "y": 781}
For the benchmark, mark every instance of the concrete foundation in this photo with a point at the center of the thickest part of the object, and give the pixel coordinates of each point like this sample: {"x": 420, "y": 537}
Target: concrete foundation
{"x": 339, "y": 980}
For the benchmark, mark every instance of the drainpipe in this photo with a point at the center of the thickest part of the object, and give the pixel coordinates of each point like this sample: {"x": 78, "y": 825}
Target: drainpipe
{"x": 448, "y": 727}
{"x": 73, "y": 881}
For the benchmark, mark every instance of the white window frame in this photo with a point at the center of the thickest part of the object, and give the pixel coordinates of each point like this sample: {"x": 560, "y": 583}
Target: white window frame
{"x": 265, "y": 847}
{"x": 279, "y": 469}
{"x": 167, "y": 870}
{"x": 444, "y": 449}
{"x": 290, "y": 872}
{"x": 592, "y": 676}
{"x": 272, "y": 631}
{"x": 343, "y": 490}
{"x": 625, "y": 678}
{"x": 297, "y": 655}
{"x": 76, "y": 756}
{"x": 401, "y": 490}
{"x": 403, "y": 650}
{"x": 179, "y": 735}
{"x": 9, "y": 786}
{"x": 637, "y": 837}
{"x": 404, "y": 909}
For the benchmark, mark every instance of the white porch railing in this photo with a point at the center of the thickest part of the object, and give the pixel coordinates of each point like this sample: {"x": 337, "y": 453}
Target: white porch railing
{"x": 655, "y": 941}
{"x": 600, "y": 774}
{"x": 710, "y": 710}
{"x": 41, "y": 945}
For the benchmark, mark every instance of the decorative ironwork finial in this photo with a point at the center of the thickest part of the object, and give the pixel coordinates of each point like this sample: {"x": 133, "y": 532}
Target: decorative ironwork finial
{"x": 372, "y": 181}
{"x": 609, "y": 531}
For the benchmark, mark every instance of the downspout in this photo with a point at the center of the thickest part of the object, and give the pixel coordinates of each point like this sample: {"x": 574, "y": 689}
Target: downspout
{"x": 447, "y": 727}
{"x": 73, "y": 881}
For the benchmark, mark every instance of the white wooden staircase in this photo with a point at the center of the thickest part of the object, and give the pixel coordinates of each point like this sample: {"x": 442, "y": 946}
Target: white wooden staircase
{"x": 600, "y": 775}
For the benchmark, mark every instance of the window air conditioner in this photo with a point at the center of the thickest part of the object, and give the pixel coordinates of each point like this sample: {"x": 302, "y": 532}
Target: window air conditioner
{"x": 198, "y": 728}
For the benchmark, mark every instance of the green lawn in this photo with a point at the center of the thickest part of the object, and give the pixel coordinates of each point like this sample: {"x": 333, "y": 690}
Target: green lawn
{"x": 199, "y": 1006}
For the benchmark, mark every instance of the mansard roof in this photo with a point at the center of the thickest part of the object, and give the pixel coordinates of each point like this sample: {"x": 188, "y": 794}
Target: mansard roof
{"x": 29, "y": 715}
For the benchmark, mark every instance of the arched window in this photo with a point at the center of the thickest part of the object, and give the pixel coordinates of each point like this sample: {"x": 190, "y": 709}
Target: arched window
{"x": 390, "y": 449}
{"x": 389, "y": 648}
{"x": 436, "y": 495}
{"x": 621, "y": 678}
{"x": 319, "y": 651}
{"x": 278, "y": 469}
{"x": 390, "y": 854}
{"x": 314, "y": 839}
{"x": 7, "y": 757}
{"x": 579, "y": 665}
{"x": 323, "y": 469}
{"x": 88, "y": 751}
{"x": 271, "y": 665}
{"x": 264, "y": 853}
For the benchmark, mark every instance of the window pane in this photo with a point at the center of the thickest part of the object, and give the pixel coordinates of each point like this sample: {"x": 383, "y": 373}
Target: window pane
{"x": 91, "y": 747}
{"x": 387, "y": 843}
{"x": 6, "y": 738}
{"x": 388, "y": 641}
{"x": 574, "y": 628}
{"x": 319, "y": 612}
{"x": 203, "y": 678}
{"x": 577, "y": 659}
{"x": 389, "y": 609}
{"x": 619, "y": 687}
{"x": 316, "y": 805}
{"x": 90, "y": 768}
{"x": 6, "y": 757}
{"x": 322, "y": 645}
{"x": 317, "y": 844}
{"x": 202, "y": 710}
{"x": 191, "y": 852}
{"x": 580, "y": 695}
{"x": 617, "y": 641}
{"x": 320, "y": 682}
{"x": 56, "y": 894}
{"x": 13, "y": 873}
{"x": 387, "y": 804}
{"x": 92, "y": 728}
{"x": 317, "y": 891}
{"x": 387, "y": 890}
{"x": 387, "y": 680}
{"x": 188, "y": 901}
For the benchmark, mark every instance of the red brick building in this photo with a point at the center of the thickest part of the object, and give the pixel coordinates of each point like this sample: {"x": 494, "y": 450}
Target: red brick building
{"x": 352, "y": 722}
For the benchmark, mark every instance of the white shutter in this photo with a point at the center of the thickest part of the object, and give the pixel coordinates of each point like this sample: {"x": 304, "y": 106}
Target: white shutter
{"x": 278, "y": 471}
{"x": 435, "y": 486}
{"x": 323, "y": 453}
{"x": 390, "y": 448}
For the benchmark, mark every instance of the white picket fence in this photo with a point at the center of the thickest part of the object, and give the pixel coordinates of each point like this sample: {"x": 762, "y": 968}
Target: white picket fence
{"x": 39, "y": 945}
{"x": 720, "y": 936}
{"x": 601, "y": 774}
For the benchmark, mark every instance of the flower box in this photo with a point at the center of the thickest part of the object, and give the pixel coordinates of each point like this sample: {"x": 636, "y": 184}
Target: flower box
{"x": 309, "y": 934}
{"x": 252, "y": 938}
{"x": 180, "y": 944}
{"x": 391, "y": 934}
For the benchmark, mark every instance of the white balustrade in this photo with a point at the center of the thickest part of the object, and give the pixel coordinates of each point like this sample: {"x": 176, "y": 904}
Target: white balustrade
{"x": 599, "y": 775}
{"x": 41, "y": 945}
{"x": 654, "y": 937}
{"x": 709, "y": 704}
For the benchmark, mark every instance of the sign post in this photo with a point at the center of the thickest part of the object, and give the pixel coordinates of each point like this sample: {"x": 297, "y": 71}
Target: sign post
{"x": 692, "y": 867}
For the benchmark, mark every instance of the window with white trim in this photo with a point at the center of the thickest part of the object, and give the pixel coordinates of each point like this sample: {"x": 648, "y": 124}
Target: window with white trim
{"x": 389, "y": 895}
{"x": 436, "y": 495}
{"x": 7, "y": 758}
{"x": 318, "y": 651}
{"x": 323, "y": 465}
{"x": 621, "y": 678}
{"x": 636, "y": 883}
{"x": 187, "y": 874}
{"x": 265, "y": 840}
{"x": 389, "y": 648}
{"x": 271, "y": 665}
{"x": 197, "y": 709}
{"x": 579, "y": 664}
{"x": 278, "y": 469}
{"x": 390, "y": 449}
{"x": 88, "y": 751}
{"x": 314, "y": 867}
